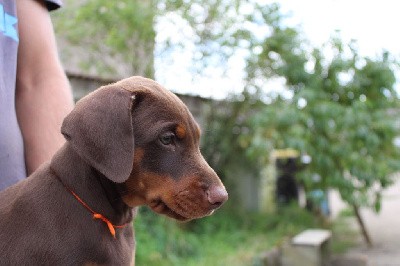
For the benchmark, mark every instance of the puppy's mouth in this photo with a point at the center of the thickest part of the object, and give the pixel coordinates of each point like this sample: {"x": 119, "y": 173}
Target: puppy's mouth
{"x": 161, "y": 207}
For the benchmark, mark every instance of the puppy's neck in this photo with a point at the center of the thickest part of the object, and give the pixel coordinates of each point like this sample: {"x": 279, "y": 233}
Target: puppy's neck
{"x": 90, "y": 185}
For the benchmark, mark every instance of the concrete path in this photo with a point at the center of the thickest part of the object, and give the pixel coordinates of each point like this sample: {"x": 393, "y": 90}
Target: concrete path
{"x": 384, "y": 229}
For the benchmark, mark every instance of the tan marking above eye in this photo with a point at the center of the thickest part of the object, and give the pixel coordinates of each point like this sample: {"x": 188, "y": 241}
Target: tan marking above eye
{"x": 180, "y": 131}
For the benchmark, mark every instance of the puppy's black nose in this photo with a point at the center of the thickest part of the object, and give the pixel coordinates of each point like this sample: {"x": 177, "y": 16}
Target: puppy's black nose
{"x": 216, "y": 196}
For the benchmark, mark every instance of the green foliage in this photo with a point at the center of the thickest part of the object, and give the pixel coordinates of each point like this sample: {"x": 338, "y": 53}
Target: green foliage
{"x": 342, "y": 114}
{"x": 337, "y": 107}
{"x": 217, "y": 29}
{"x": 122, "y": 30}
{"x": 226, "y": 238}
{"x": 160, "y": 239}
{"x": 228, "y": 132}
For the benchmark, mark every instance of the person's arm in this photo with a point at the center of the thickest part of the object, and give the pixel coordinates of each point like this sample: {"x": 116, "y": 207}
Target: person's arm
{"x": 43, "y": 94}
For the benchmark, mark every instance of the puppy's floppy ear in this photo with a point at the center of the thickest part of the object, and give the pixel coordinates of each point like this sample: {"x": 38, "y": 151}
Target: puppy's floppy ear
{"x": 100, "y": 131}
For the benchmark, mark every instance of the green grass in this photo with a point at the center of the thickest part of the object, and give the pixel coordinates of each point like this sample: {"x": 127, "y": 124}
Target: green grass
{"x": 226, "y": 238}
{"x": 345, "y": 233}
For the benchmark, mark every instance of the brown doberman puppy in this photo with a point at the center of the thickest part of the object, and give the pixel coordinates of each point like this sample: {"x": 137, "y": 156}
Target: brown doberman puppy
{"x": 130, "y": 143}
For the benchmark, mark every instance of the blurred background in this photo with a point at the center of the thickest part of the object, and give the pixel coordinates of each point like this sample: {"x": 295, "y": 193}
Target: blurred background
{"x": 299, "y": 106}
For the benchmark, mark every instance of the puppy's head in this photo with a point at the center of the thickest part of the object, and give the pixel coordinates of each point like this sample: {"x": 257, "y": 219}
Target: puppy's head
{"x": 144, "y": 138}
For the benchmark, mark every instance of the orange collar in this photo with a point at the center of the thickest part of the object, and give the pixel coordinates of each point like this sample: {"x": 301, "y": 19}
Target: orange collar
{"x": 99, "y": 216}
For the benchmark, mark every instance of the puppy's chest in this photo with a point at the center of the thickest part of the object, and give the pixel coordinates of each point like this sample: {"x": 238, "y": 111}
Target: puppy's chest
{"x": 106, "y": 250}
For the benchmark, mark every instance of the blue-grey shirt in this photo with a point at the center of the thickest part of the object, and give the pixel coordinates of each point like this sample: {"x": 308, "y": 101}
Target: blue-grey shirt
{"x": 12, "y": 162}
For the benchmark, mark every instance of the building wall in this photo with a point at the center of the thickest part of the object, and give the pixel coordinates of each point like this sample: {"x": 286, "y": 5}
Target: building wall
{"x": 83, "y": 85}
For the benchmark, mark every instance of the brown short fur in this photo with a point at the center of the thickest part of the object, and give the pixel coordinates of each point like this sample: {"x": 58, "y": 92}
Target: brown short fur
{"x": 130, "y": 143}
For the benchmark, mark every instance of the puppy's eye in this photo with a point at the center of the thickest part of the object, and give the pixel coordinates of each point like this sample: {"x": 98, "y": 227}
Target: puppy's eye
{"x": 167, "y": 138}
